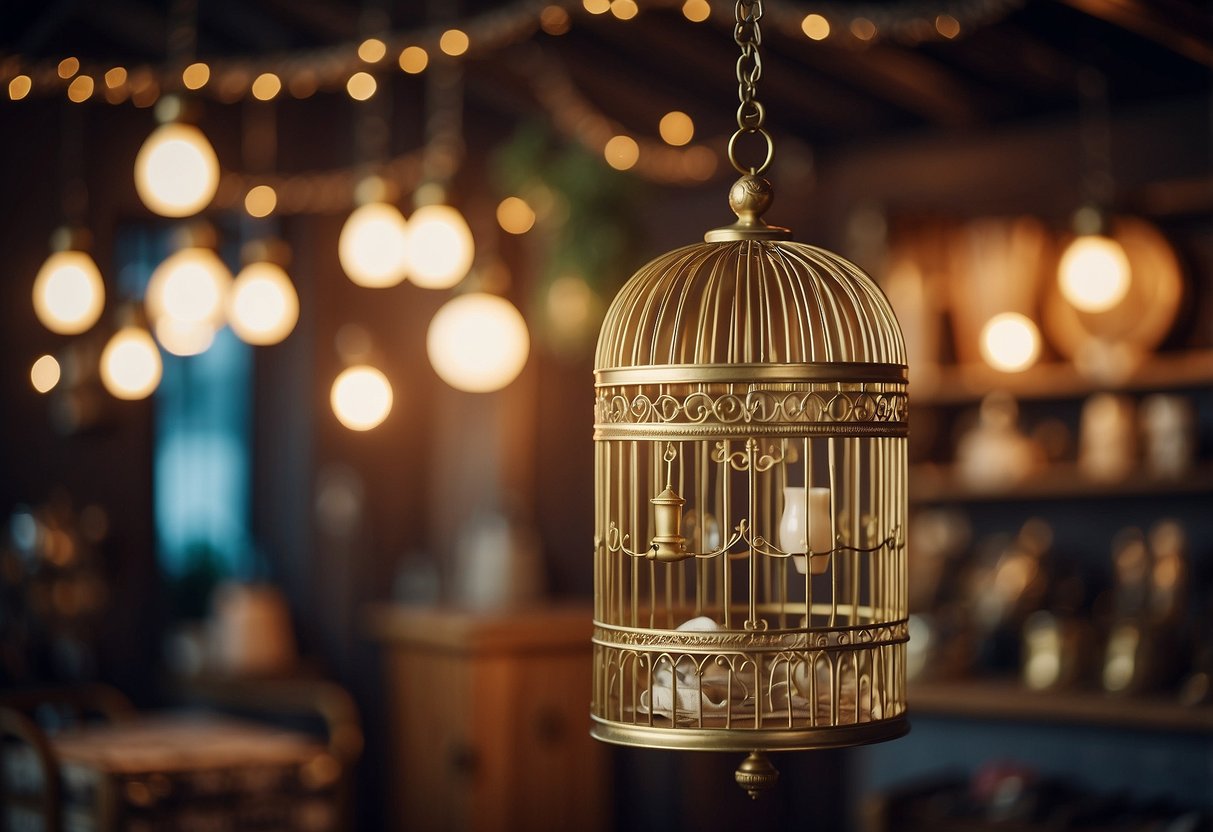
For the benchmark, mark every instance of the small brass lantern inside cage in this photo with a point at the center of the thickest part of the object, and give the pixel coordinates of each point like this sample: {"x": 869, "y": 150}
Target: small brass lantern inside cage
{"x": 750, "y": 504}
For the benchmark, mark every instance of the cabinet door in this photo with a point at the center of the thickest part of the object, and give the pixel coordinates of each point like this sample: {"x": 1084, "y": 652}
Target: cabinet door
{"x": 541, "y": 769}
{"x": 433, "y": 759}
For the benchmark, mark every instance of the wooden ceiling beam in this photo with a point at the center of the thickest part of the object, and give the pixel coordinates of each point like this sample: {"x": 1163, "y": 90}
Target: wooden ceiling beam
{"x": 1177, "y": 27}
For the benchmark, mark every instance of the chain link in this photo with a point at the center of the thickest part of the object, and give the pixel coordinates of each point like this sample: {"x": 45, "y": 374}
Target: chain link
{"x": 750, "y": 114}
{"x": 748, "y": 36}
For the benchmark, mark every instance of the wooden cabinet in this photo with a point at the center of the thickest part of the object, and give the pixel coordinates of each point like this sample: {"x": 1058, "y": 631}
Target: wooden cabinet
{"x": 489, "y": 715}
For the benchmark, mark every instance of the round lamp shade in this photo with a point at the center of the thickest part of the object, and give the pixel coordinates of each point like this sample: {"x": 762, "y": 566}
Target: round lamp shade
{"x": 361, "y": 397}
{"x": 263, "y": 306}
{"x": 440, "y": 247}
{"x": 130, "y": 364}
{"x": 478, "y": 342}
{"x": 68, "y": 293}
{"x": 373, "y": 246}
{"x": 190, "y": 286}
{"x": 176, "y": 171}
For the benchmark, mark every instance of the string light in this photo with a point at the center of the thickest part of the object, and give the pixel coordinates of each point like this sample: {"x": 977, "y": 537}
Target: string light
{"x": 361, "y": 397}
{"x": 696, "y": 11}
{"x": 361, "y": 86}
{"x": 515, "y": 216}
{"x": 624, "y": 9}
{"x": 554, "y": 20}
{"x": 815, "y": 27}
{"x": 44, "y": 374}
{"x": 478, "y": 342}
{"x": 863, "y": 29}
{"x": 260, "y": 201}
{"x": 676, "y": 128}
{"x": 1010, "y": 342}
{"x": 439, "y": 248}
{"x": 266, "y": 86}
{"x": 195, "y": 76}
{"x": 80, "y": 89}
{"x": 304, "y": 71}
{"x": 947, "y": 26}
{"x": 19, "y": 87}
{"x": 621, "y": 152}
{"x": 176, "y": 170}
{"x": 68, "y": 293}
{"x": 414, "y": 59}
{"x": 130, "y": 364}
{"x": 453, "y": 42}
{"x": 263, "y": 307}
{"x": 372, "y": 50}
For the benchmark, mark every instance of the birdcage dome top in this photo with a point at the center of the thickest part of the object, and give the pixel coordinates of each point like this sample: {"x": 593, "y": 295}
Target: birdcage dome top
{"x": 743, "y": 298}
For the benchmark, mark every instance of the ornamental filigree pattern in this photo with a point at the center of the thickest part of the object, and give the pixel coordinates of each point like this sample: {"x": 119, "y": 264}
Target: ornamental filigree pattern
{"x": 754, "y": 407}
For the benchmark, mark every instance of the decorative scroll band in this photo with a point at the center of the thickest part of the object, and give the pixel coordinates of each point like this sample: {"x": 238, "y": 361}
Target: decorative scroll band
{"x": 873, "y": 635}
{"x": 755, "y": 407}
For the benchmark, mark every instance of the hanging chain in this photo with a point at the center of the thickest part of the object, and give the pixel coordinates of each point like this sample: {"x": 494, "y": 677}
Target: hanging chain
{"x": 750, "y": 114}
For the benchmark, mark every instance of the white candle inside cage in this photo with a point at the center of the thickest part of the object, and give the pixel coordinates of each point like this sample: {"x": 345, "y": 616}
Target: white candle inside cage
{"x": 813, "y": 527}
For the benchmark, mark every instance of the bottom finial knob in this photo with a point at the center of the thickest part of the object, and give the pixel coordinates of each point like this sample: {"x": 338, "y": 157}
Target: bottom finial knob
{"x": 756, "y": 774}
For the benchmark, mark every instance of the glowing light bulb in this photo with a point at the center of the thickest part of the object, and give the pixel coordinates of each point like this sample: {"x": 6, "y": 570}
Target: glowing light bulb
{"x": 361, "y": 397}
{"x": 176, "y": 171}
{"x": 263, "y": 306}
{"x": 676, "y": 128}
{"x": 1010, "y": 342}
{"x": 440, "y": 247}
{"x": 815, "y": 27}
{"x": 621, "y": 152}
{"x": 361, "y": 86}
{"x": 68, "y": 293}
{"x": 260, "y": 201}
{"x": 184, "y": 338}
{"x": 414, "y": 59}
{"x": 190, "y": 286}
{"x": 373, "y": 246}
{"x": 696, "y": 11}
{"x": 454, "y": 42}
{"x": 1094, "y": 273}
{"x": 515, "y": 216}
{"x": 478, "y": 342}
{"x": 130, "y": 364}
{"x": 44, "y": 375}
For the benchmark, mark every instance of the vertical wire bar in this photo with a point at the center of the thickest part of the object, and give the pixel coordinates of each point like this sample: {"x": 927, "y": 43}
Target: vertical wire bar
{"x": 834, "y": 537}
{"x": 752, "y": 511}
{"x": 856, "y": 542}
{"x": 701, "y": 500}
{"x": 635, "y": 528}
{"x": 808, "y": 548}
{"x": 726, "y": 583}
{"x": 621, "y": 508}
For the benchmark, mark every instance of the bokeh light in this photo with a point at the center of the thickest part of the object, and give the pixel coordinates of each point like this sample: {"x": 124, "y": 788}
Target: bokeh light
{"x": 68, "y": 293}
{"x": 130, "y": 364}
{"x": 1010, "y": 342}
{"x": 478, "y": 342}
{"x": 440, "y": 248}
{"x": 263, "y": 307}
{"x": 44, "y": 374}
{"x": 1094, "y": 273}
{"x": 176, "y": 171}
{"x": 373, "y": 245}
{"x": 361, "y": 397}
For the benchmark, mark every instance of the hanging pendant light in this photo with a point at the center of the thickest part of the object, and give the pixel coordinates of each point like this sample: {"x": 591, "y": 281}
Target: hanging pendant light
{"x": 263, "y": 306}
{"x": 373, "y": 246}
{"x": 738, "y": 606}
{"x": 176, "y": 170}
{"x": 478, "y": 342}
{"x": 187, "y": 295}
{"x": 68, "y": 291}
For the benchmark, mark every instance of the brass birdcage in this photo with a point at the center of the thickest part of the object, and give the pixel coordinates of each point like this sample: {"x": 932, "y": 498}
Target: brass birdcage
{"x": 750, "y": 509}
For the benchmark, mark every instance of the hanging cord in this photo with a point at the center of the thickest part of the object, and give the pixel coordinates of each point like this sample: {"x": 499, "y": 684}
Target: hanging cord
{"x": 750, "y": 114}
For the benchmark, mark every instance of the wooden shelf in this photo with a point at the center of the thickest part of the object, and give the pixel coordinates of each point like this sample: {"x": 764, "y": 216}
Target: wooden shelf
{"x": 968, "y": 383}
{"x": 935, "y": 484}
{"x": 1005, "y": 699}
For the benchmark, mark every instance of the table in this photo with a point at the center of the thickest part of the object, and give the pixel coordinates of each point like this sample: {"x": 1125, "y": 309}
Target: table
{"x": 184, "y": 772}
